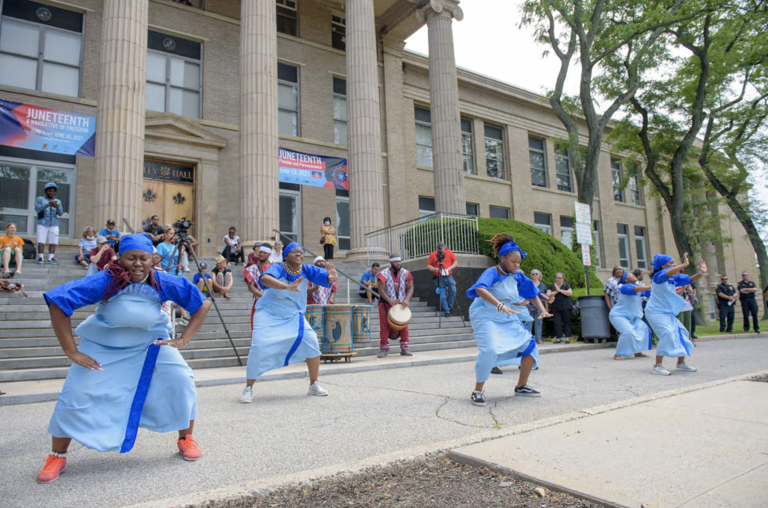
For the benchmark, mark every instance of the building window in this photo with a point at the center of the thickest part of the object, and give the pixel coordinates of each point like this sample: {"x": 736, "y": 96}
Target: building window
{"x": 494, "y": 151}
{"x": 426, "y": 206}
{"x": 340, "y": 111}
{"x": 712, "y": 314}
{"x": 20, "y": 184}
{"x": 641, "y": 248}
{"x": 473, "y": 209}
{"x": 596, "y": 242}
{"x": 563, "y": 169}
{"x": 338, "y": 31}
{"x": 41, "y": 47}
{"x": 623, "y": 238}
{"x": 618, "y": 192}
{"x": 498, "y": 212}
{"x": 467, "y": 146}
{"x": 173, "y": 75}
{"x": 543, "y": 222}
{"x": 538, "y": 161}
{"x": 288, "y": 99}
{"x": 635, "y": 192}
{"x": 566, "y": 230}
{"x": 287, "y": 17}
{"x": 342, "y": 222}
{"x": 290, "y": 214}
{"x": 423, "y": 137}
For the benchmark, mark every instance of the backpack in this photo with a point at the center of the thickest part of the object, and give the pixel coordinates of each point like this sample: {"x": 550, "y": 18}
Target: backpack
{"x": 29, "y": 251}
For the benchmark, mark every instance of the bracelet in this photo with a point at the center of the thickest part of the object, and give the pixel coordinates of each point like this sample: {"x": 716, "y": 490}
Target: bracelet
{"x": 500, "y": 307}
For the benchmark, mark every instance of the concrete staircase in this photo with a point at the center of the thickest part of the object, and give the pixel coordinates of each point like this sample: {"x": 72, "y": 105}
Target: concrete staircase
{"x": 29, "y": 349}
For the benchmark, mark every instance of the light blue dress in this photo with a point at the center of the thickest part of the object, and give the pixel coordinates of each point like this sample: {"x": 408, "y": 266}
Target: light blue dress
{"x": 661, "y": 312}
{"x": 281, "y": 334}
{"x": 141, "y": 384}
{"x": 502, "y": 339}
{"x": 627, "y": 317}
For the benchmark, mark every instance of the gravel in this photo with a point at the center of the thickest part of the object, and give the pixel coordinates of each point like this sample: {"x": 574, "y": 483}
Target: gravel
{"x": 436, "y": 481}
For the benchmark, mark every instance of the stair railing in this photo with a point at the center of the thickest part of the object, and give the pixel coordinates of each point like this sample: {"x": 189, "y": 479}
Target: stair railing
{"x": 127, "y": 226}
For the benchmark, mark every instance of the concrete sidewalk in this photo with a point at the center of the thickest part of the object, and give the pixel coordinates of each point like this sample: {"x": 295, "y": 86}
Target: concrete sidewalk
{"x": 703, "y": 449}
{"x": 25, "y": 392}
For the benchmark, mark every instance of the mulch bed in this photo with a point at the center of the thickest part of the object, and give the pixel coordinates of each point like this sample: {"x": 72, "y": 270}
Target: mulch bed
{"x": 431, "y": 482}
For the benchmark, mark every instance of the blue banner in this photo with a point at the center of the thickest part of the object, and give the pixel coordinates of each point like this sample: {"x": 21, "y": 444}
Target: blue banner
{"x": 46, "y": 130}
{"x": 315, "y": 170}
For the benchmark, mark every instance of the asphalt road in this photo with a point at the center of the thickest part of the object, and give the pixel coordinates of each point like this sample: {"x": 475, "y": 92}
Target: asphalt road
{"x": 367, "y": 414}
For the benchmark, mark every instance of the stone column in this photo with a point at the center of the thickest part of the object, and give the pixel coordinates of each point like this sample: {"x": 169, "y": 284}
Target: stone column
{"x": 119, "y": 172}
{"x": 444, "y": 105}
{"x": 259, "y": 186}
{"x": 395, "y": 174}
{"x": 366, "y": 201}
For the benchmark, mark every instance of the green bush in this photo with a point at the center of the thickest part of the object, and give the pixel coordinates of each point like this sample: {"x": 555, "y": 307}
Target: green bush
{"x": 545, "y": 253}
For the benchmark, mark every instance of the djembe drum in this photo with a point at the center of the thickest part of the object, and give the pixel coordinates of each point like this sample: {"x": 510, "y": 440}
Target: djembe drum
{"x": 315, "y": 318}
{"x": 361, "y": 323}
{"x": 398, "y": 317}
{"x": 337, "y": 320}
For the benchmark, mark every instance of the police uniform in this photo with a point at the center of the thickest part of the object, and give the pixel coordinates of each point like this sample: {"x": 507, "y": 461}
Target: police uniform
{"x": 726, "y": 312}
{"x": 748, "y": 305}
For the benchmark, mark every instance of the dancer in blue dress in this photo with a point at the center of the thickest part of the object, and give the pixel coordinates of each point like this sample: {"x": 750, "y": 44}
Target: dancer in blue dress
{"x": 664, "y": 306}
{"x": 126, "y": 374}
{"x": 281, "y": 334}
{"x": 500, "y": 334}
{"x": 627, "y": 317}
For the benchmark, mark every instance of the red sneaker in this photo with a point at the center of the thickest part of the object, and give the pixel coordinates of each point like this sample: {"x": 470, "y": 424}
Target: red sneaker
{"x": 53, "y": 467}
{"x": 189, "y": 448}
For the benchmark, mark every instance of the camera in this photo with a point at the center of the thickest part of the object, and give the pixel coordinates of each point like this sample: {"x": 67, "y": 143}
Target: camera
{"x": 182, "y": 228}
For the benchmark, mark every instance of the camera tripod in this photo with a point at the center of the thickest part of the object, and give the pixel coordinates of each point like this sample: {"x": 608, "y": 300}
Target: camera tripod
{"x": 182, "y": 239}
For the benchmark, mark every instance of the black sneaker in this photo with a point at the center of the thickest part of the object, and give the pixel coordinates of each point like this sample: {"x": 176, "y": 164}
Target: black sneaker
{"x": 526, "y": 391}
{"x": 478, "y": 398}
{"x": 496, "y": 370}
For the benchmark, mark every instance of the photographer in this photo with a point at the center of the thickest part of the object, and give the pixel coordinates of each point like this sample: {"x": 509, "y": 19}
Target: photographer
{"x": 441, "y": 263}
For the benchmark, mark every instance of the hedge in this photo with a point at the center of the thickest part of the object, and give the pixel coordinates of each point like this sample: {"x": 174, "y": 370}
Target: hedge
{"x": 545, "y": 253}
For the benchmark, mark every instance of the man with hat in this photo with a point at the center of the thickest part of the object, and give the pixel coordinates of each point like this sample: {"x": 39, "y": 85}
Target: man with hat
{"x": 395, "y": 285}
{"x": 48, "y": 209}
{"x": 726, "y": 298}
{"x": 111, "y": 234}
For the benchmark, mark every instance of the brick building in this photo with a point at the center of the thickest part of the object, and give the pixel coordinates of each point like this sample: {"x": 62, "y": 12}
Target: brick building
{"x": 193, "y": 99}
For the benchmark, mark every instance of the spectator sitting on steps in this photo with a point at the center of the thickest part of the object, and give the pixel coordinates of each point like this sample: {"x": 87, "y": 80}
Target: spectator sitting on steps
{"x": 370, "y": 281}
{"x": 101, "y": 256}
{"x": 233, "y": 250}
{"x": 11, "y": 247}
{"x": 86, "y": 245}
{"x": 222, "y": 278}
{"x": 197, "y": 280}
{"x": 155, "y": 230}
{"x": 111, "y": 234}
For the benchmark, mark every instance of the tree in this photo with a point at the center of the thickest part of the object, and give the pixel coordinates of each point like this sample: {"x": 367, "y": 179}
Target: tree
{"x": 686, "y": 92}
{"x": 595, "y": 31}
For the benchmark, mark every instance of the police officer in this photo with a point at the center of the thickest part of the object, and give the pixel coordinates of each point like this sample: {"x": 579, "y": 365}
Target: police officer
{"x": 726, "y": 294}
{"x": 747, "y": 290}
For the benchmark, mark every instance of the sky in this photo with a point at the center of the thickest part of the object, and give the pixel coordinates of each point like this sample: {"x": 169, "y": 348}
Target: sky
{"x": 490, "y": 41}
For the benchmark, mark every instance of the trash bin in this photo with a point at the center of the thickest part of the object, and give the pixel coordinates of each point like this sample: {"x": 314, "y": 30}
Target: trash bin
{"x": 594, "y": 318}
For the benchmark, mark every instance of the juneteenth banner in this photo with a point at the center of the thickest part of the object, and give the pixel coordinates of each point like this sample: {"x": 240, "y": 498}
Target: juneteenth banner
{"x": 315, "y": 170}
{"x": 46, "y": 130}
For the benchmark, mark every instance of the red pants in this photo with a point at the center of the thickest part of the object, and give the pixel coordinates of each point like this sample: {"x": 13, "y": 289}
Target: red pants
{"x": 385, "y": 332}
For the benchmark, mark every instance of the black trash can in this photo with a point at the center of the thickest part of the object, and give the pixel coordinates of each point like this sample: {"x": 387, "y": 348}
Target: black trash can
{"x": 594, "y": 318}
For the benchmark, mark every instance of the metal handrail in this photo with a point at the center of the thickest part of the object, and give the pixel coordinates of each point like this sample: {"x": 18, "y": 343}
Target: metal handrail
{"x": 126, "y": 225}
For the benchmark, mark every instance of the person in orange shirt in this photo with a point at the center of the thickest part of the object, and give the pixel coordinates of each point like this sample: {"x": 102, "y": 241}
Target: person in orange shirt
{"x": 442, "y": 262}
{"x": 11, "y": 246}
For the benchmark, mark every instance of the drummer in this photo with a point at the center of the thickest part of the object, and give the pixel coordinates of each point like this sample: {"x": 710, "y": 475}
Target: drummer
{"x": 318, "y": 295}
{"x": 395, "y": 286}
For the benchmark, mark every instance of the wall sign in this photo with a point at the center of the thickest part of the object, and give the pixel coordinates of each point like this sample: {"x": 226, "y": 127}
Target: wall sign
{"x": 46, "y": 130}
{"x": 315, "y": 170}
{"x": 169, "y": 172}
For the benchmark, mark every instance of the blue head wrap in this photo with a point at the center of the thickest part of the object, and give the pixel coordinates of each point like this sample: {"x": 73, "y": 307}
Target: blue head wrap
{"x": 288, "y": 248}
{"x": 624, "y": 277}
{"x": 139, "y": 241}
{"x": 511, "y": 246}
{"x": 660, "y": 260}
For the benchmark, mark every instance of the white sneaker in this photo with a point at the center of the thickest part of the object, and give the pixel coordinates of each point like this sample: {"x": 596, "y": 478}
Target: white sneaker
{"x": 247, "y": 396}
{"x": 660, "y": 370}
{"x": 317, "y": 390}
{"x": 684, "y": 367}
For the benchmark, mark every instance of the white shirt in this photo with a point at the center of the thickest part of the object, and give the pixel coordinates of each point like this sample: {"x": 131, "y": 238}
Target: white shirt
{"x": 234, "y": 241}
{"x": 275, "y": 258}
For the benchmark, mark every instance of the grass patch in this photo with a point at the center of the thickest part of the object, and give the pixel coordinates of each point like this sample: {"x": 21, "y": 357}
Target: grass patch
{"x": 713, "y": 328}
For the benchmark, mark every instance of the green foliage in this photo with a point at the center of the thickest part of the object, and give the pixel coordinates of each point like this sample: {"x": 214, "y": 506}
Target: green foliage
{"x": 545, "y": 253}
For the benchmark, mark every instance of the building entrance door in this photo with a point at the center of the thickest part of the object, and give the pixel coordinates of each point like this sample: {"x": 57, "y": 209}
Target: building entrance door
{"x": 168, "y": 192}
